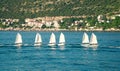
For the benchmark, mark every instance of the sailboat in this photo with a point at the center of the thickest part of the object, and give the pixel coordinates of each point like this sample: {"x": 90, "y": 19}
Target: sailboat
{"x": 61, "y": 39}
{"x": 52, "y": 41}
{"x": 18, "y": 40}
{"x": 38, "y": 40}
{"x": 85, "y": 39}
{"x": 93, "y": 39}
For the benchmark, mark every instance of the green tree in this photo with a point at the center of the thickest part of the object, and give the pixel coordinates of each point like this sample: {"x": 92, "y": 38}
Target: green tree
{"x": 43, "y": 26}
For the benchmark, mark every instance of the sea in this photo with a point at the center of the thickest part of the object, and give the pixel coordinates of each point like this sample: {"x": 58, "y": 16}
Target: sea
{"x": 70, "y": 57}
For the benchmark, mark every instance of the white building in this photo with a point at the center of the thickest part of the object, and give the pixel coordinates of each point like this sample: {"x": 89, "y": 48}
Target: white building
{"x": 100, "y": 18}
{"x": 48, "y": 24}
{"x": 33, "y": 22}
{"x": 56, "y": 25}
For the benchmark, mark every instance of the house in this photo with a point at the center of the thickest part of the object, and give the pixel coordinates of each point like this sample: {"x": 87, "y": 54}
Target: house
{"x": 56, "y": 25}
{"x": 100, "y": 18}
{"x": 33, "y": 22}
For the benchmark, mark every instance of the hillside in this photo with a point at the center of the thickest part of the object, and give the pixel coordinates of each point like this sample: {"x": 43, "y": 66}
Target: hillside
{"x": 35, "y": 8}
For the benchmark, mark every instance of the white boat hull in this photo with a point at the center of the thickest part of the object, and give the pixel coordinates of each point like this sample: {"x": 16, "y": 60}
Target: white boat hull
{"x": 85, "y": 45}
{"x": 61, "y": 44}
{"x": 18, "y": 44}
{"x": 37, "y": 44}
{"x": 51, "y": 44}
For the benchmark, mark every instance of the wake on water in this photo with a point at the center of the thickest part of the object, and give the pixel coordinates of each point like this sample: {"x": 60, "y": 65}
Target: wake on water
{"x": 74, "y": 45}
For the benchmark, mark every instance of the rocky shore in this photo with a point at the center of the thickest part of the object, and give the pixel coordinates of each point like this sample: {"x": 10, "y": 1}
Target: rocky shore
{"x": 37, "y": 29}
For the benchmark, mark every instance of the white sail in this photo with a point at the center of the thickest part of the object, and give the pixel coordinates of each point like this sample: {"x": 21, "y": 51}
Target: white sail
{"x": 18, "y": 39}
{"x": 85, "y": 39}
{"x": 38, "y": 40}
{"x": 93, "y": 39}
{"x": 52, "y": 39}
{"x": 61, "y": 39}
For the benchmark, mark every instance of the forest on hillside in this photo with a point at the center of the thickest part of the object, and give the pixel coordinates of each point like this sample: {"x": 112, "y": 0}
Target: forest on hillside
{"x": 38, "y": 8}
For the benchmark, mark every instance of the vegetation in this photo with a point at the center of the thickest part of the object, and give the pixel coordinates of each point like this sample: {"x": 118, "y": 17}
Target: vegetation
{"x": 21, "y": 9}
{"x": 35, "y": 8}
{"x": 108, "y": 23}
{"x": 69, "y": 23}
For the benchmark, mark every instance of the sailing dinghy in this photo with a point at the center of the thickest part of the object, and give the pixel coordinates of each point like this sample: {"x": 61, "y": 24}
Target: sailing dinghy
{"x": 18, "y": 40}
{"x": 38, "y": 40}
{"x": 85, "y": 39}
{"x": 61, "y": 40}
{"x": 93, "y": 39}
{"x": 52, "y": 41}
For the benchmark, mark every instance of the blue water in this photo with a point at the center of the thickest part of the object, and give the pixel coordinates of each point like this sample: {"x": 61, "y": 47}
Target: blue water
{"x": 71, "y": 57}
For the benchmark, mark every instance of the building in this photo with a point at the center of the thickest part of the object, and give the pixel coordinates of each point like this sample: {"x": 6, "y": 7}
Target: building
{"x": 100, "y": 18}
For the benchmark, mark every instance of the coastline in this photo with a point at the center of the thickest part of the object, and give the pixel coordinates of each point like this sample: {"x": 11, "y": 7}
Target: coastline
{"x": 64, "y": 30}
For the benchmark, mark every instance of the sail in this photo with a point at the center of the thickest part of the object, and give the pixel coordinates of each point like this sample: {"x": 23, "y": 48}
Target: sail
{"x": 61, "y": 39}
{"x": 93, "y": 39}
{"x": 52, "y": 39}
{"x": 18, "y": 39}
{"x": 38, "y": 39}
{"x": 85, "y": 38}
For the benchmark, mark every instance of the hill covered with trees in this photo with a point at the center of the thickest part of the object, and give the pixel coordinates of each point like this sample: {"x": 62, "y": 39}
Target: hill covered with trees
{"x": 38, "y": 8}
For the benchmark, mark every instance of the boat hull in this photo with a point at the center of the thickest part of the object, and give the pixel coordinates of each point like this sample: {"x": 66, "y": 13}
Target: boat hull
{"x": 61, "y": 44}
{"x": 51, "y": 44}
{"x": 37, "y": 44}
{"x": 18, "y": 44}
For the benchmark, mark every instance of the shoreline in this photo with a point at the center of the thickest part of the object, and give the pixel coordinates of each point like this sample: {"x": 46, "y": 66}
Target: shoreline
{"x": 63, "y": 30}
